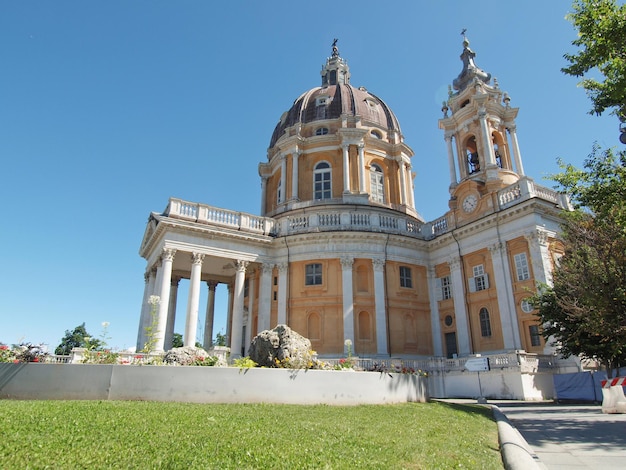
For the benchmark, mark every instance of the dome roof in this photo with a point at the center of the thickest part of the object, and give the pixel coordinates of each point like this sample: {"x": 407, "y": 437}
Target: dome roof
{"x": 336, "y": 97}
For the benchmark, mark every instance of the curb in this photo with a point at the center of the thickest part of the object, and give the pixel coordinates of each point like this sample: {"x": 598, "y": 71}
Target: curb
{"x": 515, "y": 451}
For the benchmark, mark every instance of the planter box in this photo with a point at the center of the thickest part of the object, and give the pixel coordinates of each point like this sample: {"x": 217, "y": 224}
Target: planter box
{"x": 30, "y": 381}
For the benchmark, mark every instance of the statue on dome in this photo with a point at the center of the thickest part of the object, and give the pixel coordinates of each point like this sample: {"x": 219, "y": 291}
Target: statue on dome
{"x": 335, "y": 48}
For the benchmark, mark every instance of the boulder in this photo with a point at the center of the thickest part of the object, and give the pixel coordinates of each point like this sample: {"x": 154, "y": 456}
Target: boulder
{"x": 184, "y": 356}
{"x": 281, "y": 347}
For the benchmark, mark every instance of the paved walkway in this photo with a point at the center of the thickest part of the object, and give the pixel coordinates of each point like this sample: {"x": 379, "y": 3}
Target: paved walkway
{"x": 570, "y": 437}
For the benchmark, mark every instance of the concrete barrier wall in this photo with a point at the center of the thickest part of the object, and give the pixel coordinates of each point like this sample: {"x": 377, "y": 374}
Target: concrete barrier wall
{"x": 500, "y": 384}
{"x": 207, "y": 384}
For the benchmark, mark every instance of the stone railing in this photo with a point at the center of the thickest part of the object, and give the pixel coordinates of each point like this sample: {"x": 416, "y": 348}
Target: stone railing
{"x": 126, "y": 357}
{"x": 522, "y": 361}
{"x": 204, "y": 214}
{"x": 367, "y": 219}
{"x": 525, "y": 189}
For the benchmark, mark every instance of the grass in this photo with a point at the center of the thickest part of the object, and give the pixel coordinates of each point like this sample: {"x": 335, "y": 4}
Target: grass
{"x": 116, "y": 434}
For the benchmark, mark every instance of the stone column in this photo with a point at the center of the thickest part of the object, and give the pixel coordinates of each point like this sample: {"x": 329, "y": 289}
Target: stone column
{"x": 193, "y": 301}
{"x": 282, "y": 293}
{"x": 210, "y": 315}
{"x": 451, "y": 165}
{"x": 411, "y": 187}
{"x": 382, "y": 347}
{"x": 490, "y": 157}
{"x": 294, "y": 175}
{"x": 146, "y": 309}
{"x": 283, "y": 179}
{"x": 237, "y": 323}
{"x": 348, "y": 299}
{"x": 229, "y": 315}
{"x": 504, "y": 290}
{"x": 434, "y": 312}
{"x": 165, "y": 276}
{"x": 360, "y": 147}
{"x": 263, "y": 194}
{"x": 516, "y": 153}
{"x": 402, "y": 175}
{"x": 460, "y": 309}
{"x": 171, "y": 314}
{"x": 265, "y": 297}
{"x": 346, "y": 168}
{"x": 251, "y": 295}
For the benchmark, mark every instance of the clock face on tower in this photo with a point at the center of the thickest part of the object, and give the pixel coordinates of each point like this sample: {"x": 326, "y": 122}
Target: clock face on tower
{"x": 470, "y": 203}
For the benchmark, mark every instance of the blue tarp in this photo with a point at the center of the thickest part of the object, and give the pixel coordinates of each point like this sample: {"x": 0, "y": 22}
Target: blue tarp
{"x": 579, "y": 386}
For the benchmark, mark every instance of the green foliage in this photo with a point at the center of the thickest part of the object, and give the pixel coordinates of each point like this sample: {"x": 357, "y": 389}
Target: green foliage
{"x": 177, "y": 340}
{"x": 601, "y": 26}
{"x": 244, "y": 363}
{"x": 77, "y": 338}
{"x": 116, "y": 434}
{"x": 584, "y": 310}
{"x": 220, "y": 339}
{"x": 208, "y": 361}
{"x": 151, "y": 329}
{"x": 599, "y": 188}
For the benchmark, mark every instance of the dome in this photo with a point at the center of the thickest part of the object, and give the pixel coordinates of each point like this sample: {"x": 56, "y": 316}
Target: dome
{"x": 334, "y": 99}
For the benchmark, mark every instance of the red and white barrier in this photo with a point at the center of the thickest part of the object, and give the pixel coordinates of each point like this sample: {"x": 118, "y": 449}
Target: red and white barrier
{"x": 613, "y": 399}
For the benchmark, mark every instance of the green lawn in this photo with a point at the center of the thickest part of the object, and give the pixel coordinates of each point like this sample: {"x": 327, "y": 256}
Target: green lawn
{"x": 143, "y": 435}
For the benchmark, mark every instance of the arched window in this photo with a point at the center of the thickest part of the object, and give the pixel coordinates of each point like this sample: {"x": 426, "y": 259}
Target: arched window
{"x": 377, "y": 189}
{"x": 376, "y": 135}
{"x": 485, "y": 323}
{"x": 322, "y": 181}
{"x": 498, "y": 155}
{"x": 473, "y": 162}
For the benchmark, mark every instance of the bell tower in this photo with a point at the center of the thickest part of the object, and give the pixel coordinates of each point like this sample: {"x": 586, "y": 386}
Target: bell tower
{"x": 482, "y": 158}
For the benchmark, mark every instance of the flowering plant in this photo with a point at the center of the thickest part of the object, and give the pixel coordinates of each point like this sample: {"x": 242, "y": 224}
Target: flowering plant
{"x": 6, "y": 353}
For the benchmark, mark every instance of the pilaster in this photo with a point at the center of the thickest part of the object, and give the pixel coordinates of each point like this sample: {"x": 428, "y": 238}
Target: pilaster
{"x": 348, "y": 299}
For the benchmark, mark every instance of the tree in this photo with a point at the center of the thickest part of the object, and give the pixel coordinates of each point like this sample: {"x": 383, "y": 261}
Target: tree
{"x": 585, "y": 309}
{"x": 177, "y": 340}
{"x": 601, "y": 26}
{"x": 78, "y": 338}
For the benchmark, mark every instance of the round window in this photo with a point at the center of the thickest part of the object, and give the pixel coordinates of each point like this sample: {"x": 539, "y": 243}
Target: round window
{"x": 527, "y": 307}
{"x": 448, "y": 320}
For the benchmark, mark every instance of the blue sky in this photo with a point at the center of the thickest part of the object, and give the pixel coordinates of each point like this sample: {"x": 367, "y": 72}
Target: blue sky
{"x": 107, "y": 109}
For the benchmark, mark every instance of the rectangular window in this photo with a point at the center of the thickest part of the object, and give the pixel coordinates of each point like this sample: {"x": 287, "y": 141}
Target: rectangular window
{"x": 446, "y": 288}
{"x": 535, "y": 337}
{"x": 322, "y": 185}
{"x": 405, "y": 277}
{"x": 521, "y": 267}
{"x": 246, "y": 287}
{"x": 313, "y": 274}
{"x": 480, "y": 280}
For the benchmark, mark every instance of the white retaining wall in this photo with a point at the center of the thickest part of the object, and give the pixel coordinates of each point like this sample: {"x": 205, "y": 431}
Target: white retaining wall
{"x": 502, "y": 384}
{"x": 31, "y": 381}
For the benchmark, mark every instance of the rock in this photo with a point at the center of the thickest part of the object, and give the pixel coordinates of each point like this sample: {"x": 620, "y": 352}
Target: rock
{"x": 281, "y": 344}
{"x": 184, "y": 356}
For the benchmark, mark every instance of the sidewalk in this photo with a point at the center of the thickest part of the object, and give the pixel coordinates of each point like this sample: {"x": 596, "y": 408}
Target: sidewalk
{"x": 569, "y": 436}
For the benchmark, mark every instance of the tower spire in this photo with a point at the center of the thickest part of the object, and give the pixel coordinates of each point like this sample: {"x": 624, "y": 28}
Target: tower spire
{"x": 470, "y": 69}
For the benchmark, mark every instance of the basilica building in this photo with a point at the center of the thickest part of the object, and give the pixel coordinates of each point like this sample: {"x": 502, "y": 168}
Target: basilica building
{"x": 339, "y": 250}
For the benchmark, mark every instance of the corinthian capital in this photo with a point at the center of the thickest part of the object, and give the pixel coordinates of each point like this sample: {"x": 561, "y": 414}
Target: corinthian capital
{"x": 168, "y": 254}
{"x": 197, "y": 258}
{"x": 346, "y": 262}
